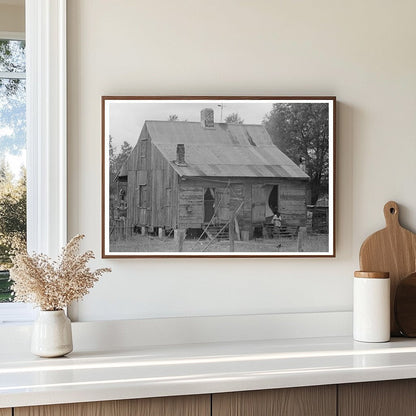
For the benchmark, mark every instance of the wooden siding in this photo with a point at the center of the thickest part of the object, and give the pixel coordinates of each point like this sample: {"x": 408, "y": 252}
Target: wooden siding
{"x": 244, "y": 214}
{"x": 191, "y": 206}
{"x": 152, "y": 187}
{"x": 259, "y": 198}
{"x": 131, "y": 197}
{"x": 255, "y": 193}
{"x": 246, "y": 211}
{"x": 137, "y": 175}
{"x": 227, "y": 201}
{"x": 222, "y": 202}
{"x": 292, "y": 203}
{"x": 141, "y": 177}
{"x": 164, "y": 192}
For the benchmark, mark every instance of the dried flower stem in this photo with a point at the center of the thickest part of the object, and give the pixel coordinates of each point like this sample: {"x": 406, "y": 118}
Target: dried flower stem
{"x": 53, "y": 285}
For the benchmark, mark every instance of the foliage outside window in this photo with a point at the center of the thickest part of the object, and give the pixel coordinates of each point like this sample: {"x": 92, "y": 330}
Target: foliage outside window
{"x": 12, "y": 155}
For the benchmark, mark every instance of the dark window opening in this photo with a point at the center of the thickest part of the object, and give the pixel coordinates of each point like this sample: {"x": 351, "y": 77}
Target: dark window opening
{"x": 209, "y": 208}
{"x": 274, "y": 199}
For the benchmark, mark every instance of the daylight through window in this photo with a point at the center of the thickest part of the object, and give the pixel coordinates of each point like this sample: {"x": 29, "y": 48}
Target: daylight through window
{"x": 12, "y": 155}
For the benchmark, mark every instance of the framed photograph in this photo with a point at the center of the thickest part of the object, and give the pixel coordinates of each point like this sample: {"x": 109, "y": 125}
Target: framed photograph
{"x": 218, "y": 176}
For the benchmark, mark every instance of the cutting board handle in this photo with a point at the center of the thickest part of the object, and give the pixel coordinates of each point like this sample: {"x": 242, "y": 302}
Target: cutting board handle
{"x": 391, "y": 214}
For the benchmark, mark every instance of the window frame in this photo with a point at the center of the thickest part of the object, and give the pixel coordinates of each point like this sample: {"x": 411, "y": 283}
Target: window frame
{"x": 14, "y": 312}
{"x": 46, "y": 137}
{"x": 46, "y": 125}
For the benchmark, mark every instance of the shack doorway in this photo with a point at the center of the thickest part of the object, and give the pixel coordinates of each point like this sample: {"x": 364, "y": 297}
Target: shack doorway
{"x": 274, "y": 199}
{"x": 209, "y": 209}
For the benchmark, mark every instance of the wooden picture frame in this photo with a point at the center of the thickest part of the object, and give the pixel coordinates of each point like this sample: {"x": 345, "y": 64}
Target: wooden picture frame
{"x": 225, "y": 176}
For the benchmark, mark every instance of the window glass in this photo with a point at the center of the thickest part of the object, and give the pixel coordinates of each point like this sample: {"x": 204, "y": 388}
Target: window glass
{"x": 12, "y": 56}
{"x": 12, "y": 155}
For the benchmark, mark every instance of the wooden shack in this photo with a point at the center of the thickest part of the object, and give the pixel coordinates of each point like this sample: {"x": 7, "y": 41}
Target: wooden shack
{"x": 194, "y": 175}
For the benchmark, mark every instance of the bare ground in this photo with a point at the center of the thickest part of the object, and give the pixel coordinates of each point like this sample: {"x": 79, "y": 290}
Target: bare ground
{"x": 139, "y": 243}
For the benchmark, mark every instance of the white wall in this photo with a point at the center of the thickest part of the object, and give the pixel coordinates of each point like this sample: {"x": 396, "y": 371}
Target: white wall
{"x": 361, "y": 51}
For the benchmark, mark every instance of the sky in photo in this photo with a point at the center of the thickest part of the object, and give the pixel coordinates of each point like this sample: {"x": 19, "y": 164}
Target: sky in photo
{"x": 126, "y": 118}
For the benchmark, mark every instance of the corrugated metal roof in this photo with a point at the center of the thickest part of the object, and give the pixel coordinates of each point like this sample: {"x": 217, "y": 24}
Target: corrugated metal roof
{"x": 243, "y": 161}
{"x": 227, "y": 150}
{"x": 123, "y": 170}
{"x": 193, "y": 133}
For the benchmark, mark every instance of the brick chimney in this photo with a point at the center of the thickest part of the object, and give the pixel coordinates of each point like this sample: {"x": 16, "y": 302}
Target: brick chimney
{"x": 207, "y": 118}
{"x": 180, "y": 155}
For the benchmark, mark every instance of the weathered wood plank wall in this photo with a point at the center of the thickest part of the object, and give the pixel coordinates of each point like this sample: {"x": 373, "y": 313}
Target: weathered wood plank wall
{"x": 259, "y": 196}
{"x": 244, "y": 215}
{"x": 137, "y": 176}
{"x": 255, "y": 193}
{"x": 191, "y": 206}
{"x": 222, "y": 202}
{"x": 292, "y": 203}
{"x": 164, "y": 207}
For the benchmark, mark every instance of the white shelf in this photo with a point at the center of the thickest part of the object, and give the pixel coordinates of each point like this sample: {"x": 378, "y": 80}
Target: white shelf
{"x": 150, "y": 371}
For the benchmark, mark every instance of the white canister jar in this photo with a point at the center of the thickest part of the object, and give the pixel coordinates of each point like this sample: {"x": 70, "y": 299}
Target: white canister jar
{"x": 371, "y": 310}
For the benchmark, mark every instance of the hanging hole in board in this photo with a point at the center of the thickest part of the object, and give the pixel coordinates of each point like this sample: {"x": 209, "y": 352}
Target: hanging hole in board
{"x": 392, "y": 210}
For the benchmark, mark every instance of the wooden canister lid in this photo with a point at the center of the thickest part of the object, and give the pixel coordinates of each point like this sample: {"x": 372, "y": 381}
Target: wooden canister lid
{"x": 372, "y": 275}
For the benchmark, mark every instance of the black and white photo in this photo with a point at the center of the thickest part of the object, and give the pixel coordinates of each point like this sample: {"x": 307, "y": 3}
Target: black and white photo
{"x": 218, "y": 176}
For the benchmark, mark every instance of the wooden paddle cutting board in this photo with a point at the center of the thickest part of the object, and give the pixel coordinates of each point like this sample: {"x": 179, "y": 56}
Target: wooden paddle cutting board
{"x": 393, "y": 250}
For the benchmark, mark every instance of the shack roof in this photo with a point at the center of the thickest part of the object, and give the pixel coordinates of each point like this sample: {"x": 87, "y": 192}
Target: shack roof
{"x": 227, "y": 150}
{"x": 123, "y": 171}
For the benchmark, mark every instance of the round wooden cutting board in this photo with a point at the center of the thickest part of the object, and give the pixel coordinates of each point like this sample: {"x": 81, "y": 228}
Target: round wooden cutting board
{"x": 405, "y": 306}
{"x": 392, "y": 250}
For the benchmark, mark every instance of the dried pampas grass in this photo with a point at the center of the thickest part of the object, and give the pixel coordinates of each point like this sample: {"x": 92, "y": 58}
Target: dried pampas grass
{"x": 53, "y": 285}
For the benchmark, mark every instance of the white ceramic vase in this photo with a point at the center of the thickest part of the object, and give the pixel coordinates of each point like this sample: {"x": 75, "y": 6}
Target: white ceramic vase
{"x": 52, "y": 334}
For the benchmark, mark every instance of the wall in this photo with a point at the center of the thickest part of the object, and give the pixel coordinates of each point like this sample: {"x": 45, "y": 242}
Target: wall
{"x": 362, "y": 52}
{"x": 12, "y": 18}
